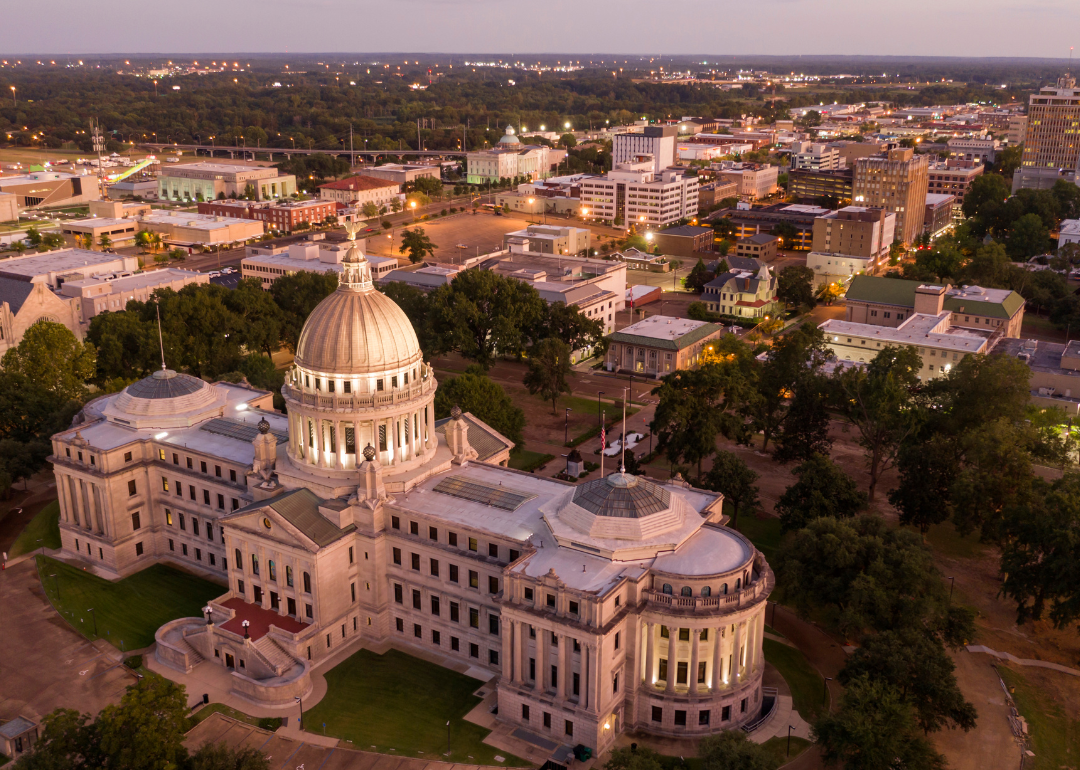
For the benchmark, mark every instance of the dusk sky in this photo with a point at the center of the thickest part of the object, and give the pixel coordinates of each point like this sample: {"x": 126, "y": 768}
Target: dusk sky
{"x": 1041, "y": 28}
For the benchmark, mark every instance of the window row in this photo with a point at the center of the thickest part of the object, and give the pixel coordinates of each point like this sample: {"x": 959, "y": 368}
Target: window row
{"x": 257, "y": 594}
{"x": 455, "y": 642}
{"x": 704, "y": 716}
{"x": 179, "y": 517}
{"x": 272, "y": 571}
{"x": 453, "y": 573}
{"x": 705, "y": 590}
{"x": 211, "y": 558}
{"x": 203, "y": 467}
{"x": 472, "y": 543}
{"x": 208, "y": 498}
{"x": 453, "y": 608}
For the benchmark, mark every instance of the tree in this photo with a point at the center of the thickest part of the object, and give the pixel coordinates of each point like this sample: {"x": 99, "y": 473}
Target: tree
{"x": 731, "y": 476}
{"x": 417, "y": 244}
{"x": 875, "y": 728}
{"x": 220, "y": 756}
{"x": 146, "y": 730}
{"x": 990, "y": 266}
{"x": 297, "y": 295}
{"x": 261, "y": 321}
{"x": 792, "y": 357}
{"x": 1029, "y": 238}
{"x": 1041, "y": 551}
{"x": 986, "y": 188}
{"x": 871, "y": 576}
{"x": 927, "y": 465}
{"x": 916, "y": 665}
{"x": 478, "y": 394}
{"x": 878, "y": 401}
{"x": 795, "y": 286}
{"x": 50, "y": 241}
{"x": 805, "y": 430}
{"x": 51, "y": 358}
{"x": 785, "y": 231}
{"x": 68, "y": 740}
{"x": 823, "y": 489}
{"x": 568, "y": 141}
{"x": 698, "y": 277}
{"x": 733, "y": 750}
{"x": 549, "y": 370}
{"x": 370, "y": 210}
{"x": 626, "y": 758}
{"x": 417, "y": 306}
{"x": 104, "y": 241}
{"x": 567, "y": 323}
{"x": 33, "y": 236}
{"x": 482, "y": 314}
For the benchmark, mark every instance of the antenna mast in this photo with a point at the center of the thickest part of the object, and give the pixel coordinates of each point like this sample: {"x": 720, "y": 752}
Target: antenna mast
{"x": 622, "y": 442}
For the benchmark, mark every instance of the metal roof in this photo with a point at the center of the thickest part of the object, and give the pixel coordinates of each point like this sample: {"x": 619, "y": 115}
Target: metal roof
{"x": 300, "y": 507}
{"x": 621, "y": 495}
{"x": 165, "y": 383}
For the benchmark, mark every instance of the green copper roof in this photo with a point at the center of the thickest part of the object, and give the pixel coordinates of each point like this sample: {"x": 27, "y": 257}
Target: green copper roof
{"x": 901, "y": 293}
{"x": 679, "y": 343}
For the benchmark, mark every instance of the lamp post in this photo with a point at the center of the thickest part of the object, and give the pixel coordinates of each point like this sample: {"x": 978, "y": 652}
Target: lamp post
{"x": 825, "y": 692}
{"x": 94, "y": 616}
{"x": 13, "y": 96}
{"x": 301, "y": 705}
{"x": 447, "y": 737}
{"x": 952, "y": 585}
{"x": 566, "y": 428}
{"x": 245, "y": 624}
{"x": 789, "y": 729}
{"x": 207, "y": 611}
{"x": 412, "y": 205}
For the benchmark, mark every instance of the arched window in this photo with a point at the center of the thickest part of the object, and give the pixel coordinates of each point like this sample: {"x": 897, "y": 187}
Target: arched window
{"x": 254, "y": 564}
{"x": 706, "y": 591}
{"x": 273, "y": 569}
{"x": 288, "y": 576}
{"x": 667, "y": 588}
{"x": 307, "y": 583}
{"x": 239, "y": 559}
{"x": 687, "y": 591}
{"x": 738, "y": 584}
{"x": 723, "y": 588}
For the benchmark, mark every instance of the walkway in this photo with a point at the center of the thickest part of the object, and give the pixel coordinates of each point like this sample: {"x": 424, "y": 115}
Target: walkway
{"x": 1023, "y": 661}
{"x": 303, "y": 751}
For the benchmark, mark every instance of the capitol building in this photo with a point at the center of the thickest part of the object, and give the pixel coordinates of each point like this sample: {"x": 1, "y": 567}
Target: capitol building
{"x": 621, "y": 603}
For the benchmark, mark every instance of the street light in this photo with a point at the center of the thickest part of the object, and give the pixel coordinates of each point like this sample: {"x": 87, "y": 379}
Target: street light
{"x": 13, "y": 96}
{"x": 207, "y": 611}
{"x": 952, "y": 585}
{"x": 301, "y": 705}
{"x": 245, "y": 624}
{"x": 566, "y": 428}
{"x": 94, "y": 616}
{"x": 412, "y": 205}
{"x": 825, "y": 693}
{"x": 789, "y": 729}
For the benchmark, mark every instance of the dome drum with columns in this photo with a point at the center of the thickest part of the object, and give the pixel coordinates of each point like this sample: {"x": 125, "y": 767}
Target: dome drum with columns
{"x": 359, "y": 378}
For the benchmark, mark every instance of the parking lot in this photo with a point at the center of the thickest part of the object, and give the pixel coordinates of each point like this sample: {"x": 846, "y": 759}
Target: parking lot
{"x": 455, "y": 237}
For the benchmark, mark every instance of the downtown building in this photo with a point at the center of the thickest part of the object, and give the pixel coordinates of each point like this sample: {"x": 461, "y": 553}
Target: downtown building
{"x": 635, "y": 193}
{"x": 897, "y": 182}
{"x": 620, "y": 604}
{"x": 1052, "y": 136}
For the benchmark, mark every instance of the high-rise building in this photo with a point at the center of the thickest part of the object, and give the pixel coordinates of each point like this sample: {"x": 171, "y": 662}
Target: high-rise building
{"x": 1052, "y": 138}
{"x": 896, "y": 182}
{"x": 657, "y": 141}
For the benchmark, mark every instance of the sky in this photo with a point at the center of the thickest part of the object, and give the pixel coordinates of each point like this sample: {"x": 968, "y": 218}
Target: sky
{"x": 1005, "y": 28}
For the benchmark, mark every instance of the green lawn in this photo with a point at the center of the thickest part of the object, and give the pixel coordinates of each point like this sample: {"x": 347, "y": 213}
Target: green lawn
{"x": 44, "y": 526}
{"x": 764, "y": 533}
{"x": 1055, "y": 734}
{"x": 588, "y": 406}
{"x": 807, "y": 686}
{"x": 777, "y": 749}
{"x": 265, "y": 723}
{"x": 524, "y": 460}
{"x": 128, "y": 611}
{"x": 395, "y": 703}
{"x": 944, "y": 539}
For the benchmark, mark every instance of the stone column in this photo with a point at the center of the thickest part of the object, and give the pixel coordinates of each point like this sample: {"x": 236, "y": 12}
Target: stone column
{"x": 563, "y": 657}
{"x": 736, "y": 666}
{"x": 695, "y": 641}
{"x": 80, "y": 508}
{"x": 414, "y": 426}
{"x": 650, "y": 655}
{"x": 673, "y": 638}
{"x": 542, "y": 659}
{"x": 339, "y": 445}
{"x": 586, "y": 699}
{"x": 520, "y": 635}
{"x": 507, "y": 629}
{"x": 717, "y": 661}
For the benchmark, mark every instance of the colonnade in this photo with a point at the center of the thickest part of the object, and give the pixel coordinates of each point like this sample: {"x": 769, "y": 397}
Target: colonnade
{"x": 551, "y": 645}
{"x": 732, "y": 651}
{"x": 407, "y": 435}
{"x": 82, "y": 504}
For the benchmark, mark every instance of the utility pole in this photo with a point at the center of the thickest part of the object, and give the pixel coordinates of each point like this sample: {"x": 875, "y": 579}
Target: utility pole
{"x": 352, "y": 158}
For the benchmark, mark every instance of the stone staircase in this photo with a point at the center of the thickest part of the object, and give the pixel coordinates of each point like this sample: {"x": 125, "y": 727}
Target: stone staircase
{"x": 196, "y": 656}
{"x": 271, "y": 651}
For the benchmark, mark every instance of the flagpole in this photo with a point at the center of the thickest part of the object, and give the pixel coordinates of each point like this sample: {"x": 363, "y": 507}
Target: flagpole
{"x": 622, "y": 441}
{"x": 603, "y": 441}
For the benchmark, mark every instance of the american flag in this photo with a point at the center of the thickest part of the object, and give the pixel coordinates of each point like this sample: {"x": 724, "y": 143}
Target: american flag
{"x": 603, "y": 438}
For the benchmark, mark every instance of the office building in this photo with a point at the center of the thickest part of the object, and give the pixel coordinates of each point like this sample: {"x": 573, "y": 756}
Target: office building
{"x": 688, "y": 241}
{"x": 755, "y": 180}
{"x": 938, "y": 214}
{"x": 659, "y": 142}
{"x": 753, "y": 221}
{"x": 743, "y": 293}
{"x": 1017, "y": 129}
{"x": 307, "y": 256}
{"x": 510, "y": 159}
{"x": 110, "y": 292}
{"x": 852, "y": 241}
{"x": 808, "y": 185}
{"x": 200, "y": 230}
{"x": 975, "y": 149}
{"x": 9, "y": 207}
{"x": 762, "y": 247}
{"x": 713, "y": 193}
{"x": 634, "y": 193}
{"x": 889, "y": 301}
{"x": 659, "y": 345}
{"x": 281, "y": 215}
{"x": 953, "y": 178}
{"x": 1052, "y": 138}
{"x": 1069, "y": 232}
{"x": 39, "y": 189}
{"x": 815, "y": 157}
{"x": 30, "y": 289}
{"x": 896, "y": 182}
{"x": 400, "y": 173}
{"x": 210, "y": 181}
{"x": 356, "y": 191}
{"x": 550, "y": 239}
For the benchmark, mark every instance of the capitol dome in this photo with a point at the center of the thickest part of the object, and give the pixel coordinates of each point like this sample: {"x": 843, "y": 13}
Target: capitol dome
{"x": 357, "y": 333}
{"x": 509, "y": 139}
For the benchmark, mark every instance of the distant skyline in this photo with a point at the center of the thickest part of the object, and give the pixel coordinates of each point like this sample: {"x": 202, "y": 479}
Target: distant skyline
{"x": 997, "y": 28}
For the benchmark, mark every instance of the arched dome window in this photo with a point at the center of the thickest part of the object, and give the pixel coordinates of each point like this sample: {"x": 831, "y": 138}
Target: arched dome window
{"x": 687, "y": 591}
{"x": 738, "y": 584}
{"x": 706, "y": 591}
{"x": 723, "y": 589}
{"x": 667, "y": 588}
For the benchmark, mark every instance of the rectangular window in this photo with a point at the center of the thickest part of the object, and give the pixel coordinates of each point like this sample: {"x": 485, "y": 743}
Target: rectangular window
{"x": 414, "y": 528}
{"x": 474, "y": 617}
{"x": 307, "y": 611}
{"x": 493, "y": 624}
{"x": 435, "y": 606}
{"x": 131, "y": 488}
{"x": 452, "y": 539}
{"x": 453, "y": 573}
{"x": 398, "y": 593}
{"x": 436, "y": 638}
{"x": 455, "y": 644}
{"x": 194, "y": 526}
{"x": 198, "y": 554}
{"x": 524, "y": 713}
{"x": 493, "y": 550}
{"x": 171, "y": 546}
{"x": 493, "y": 584}
{"x": 514, "y": 555}
{"x": 614, "y": 683}
{"x": 433, "y": 533}
{"x": 528, "y": 594}
{"x": 206, "y": 496}
{"x": 135, "y": 522}
{"x": 350, "y": 554}
{"x": 188, "y": 463}
{"x": 397, "y": 556}
{"x": 474, "y": 579}
{"x": 417, "y": 631}
{"x": 416, "y": 599}
{"x": 680, "y": 718}
{"x": 400, "y": 625}
{"x": 232, "y": 475}
{"x": 703, "y": 717}
{"x": 680, "y": 675}
{"x": 576, "y": 684}
{"x": 657, "y": 714}
{"x": 307, "y": 583}
{"x": 352, "y": 590}
{"x": 569, "y": 728}
{"x": 217, "y": 471}
{"x": 183, "y": 548}
{"x": 474, "y": 650}
{"x": 725, "y": 713}
{"x": 240, "y": 587}
{"x": 415, "y": 559}
{"x": 138, "y": 549}
{"x": 455, "y": 612}
{"x": 551, "y": 601}
{"x": 434, "y": 567}
{"x": 473, "y": 544}
{"x": 547, "y": 720}
{"x": 573, "y": 608}
{"x": 395, "y": 522}
{"x": 164, "y": 484}
{"x": 179, "y": 489}
{"x": 202, "y": 465}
